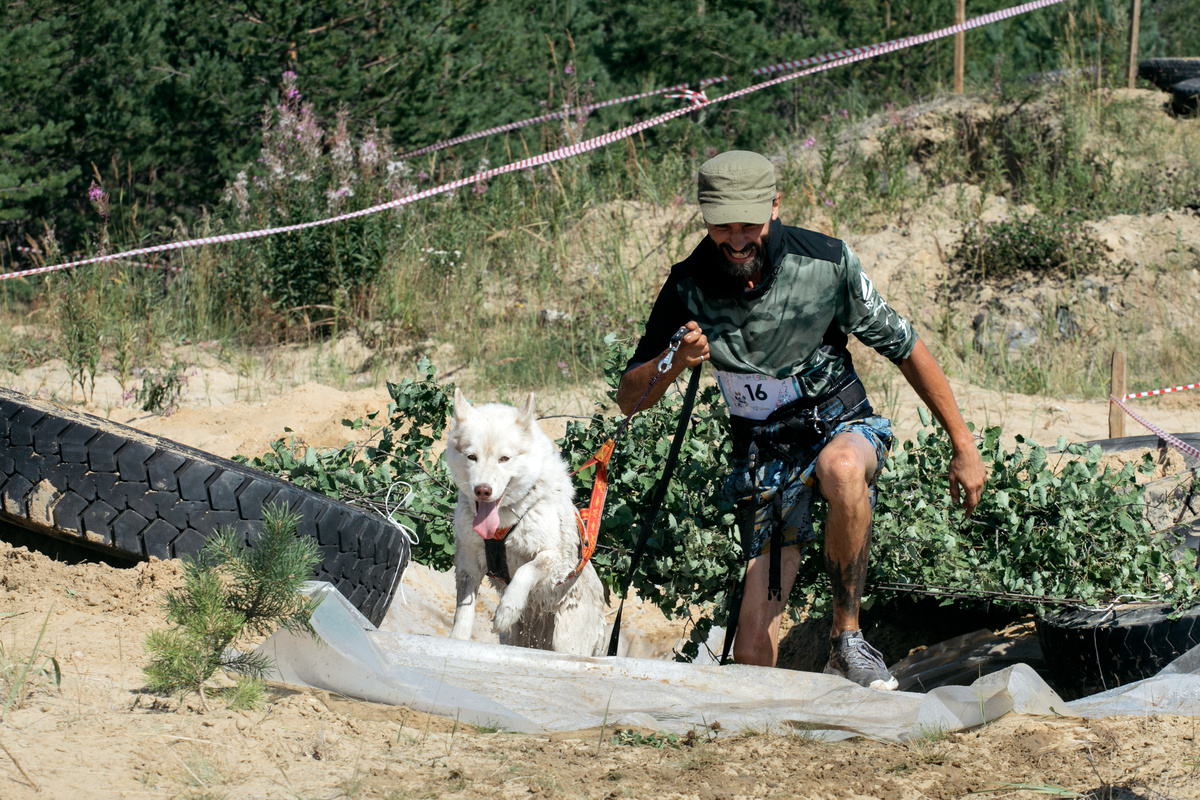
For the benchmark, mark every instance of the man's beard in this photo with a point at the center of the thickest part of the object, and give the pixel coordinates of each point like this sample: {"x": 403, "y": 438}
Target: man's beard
{"x": 748, "y": 269}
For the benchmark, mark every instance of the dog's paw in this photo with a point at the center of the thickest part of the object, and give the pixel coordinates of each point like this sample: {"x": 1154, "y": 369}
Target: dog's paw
{"x": 506, "y": 616}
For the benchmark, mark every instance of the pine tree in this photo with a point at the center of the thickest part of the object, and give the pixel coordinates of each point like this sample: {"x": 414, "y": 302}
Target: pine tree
{"x": 34, "y": 118}
{"x": 230, "y": 594}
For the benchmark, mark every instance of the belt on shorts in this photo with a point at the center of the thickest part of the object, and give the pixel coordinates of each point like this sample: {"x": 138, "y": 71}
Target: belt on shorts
{"x": 800, "y": 425}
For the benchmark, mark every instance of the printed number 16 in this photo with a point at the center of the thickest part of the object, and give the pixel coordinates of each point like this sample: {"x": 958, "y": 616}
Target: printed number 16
{"x": 757, "y": 392}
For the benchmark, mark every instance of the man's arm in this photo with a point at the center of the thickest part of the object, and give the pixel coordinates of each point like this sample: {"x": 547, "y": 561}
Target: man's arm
{"x": 692, "y": 352}
{"x": 922, "y": 372}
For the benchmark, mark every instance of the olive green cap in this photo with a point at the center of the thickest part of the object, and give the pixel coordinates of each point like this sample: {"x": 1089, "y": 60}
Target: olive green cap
{"x": 737, "y": 186}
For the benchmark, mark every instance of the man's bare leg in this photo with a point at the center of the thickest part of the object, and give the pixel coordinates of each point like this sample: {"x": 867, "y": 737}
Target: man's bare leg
{"x": 844, "y": 468}
{"x": 757, "y": 639}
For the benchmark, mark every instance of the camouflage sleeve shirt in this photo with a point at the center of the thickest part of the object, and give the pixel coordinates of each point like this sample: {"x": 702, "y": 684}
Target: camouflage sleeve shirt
{"x": 793, "y": 327}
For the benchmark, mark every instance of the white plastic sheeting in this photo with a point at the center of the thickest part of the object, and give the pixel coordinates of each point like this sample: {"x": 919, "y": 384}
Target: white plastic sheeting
{"x": 1174, "y": 690}
{"x": 538, "y": 691}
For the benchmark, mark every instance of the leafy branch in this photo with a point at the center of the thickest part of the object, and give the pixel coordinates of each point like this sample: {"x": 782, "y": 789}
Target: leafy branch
{"x": 1044, "y": 533}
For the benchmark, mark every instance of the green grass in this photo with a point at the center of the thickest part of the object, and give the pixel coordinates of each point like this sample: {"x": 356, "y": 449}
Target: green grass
{"x": 519, "y": 283}
{"x": 23, "y": 671}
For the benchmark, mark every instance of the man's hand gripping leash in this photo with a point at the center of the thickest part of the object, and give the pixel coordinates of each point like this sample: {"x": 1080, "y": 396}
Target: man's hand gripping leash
{"x": 665, "y": 364}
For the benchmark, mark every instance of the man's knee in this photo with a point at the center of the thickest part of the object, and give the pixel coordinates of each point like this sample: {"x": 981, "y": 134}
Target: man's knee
{"x": 843, "y": 464}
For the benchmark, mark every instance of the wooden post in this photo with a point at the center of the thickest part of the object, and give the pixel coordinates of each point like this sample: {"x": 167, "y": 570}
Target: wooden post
{"x": 960, "y": 45}
{"x": 1116, "y": 417}
{"x": 1135, "y": 22}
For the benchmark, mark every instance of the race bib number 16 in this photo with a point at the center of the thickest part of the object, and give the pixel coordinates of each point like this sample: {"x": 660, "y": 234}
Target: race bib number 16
{"x": 755, "y": 396}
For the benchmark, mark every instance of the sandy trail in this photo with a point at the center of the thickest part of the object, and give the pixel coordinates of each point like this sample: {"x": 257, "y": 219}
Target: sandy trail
{"x": 99, "y": 736}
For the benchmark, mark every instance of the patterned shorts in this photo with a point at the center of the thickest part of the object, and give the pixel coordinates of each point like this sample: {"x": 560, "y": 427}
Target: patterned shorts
{"x": 796, "y": 480}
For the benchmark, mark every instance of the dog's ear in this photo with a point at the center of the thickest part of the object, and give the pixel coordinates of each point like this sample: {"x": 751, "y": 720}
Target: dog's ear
{"x": 462, "y": 408}
{"x": 525, "y": 412}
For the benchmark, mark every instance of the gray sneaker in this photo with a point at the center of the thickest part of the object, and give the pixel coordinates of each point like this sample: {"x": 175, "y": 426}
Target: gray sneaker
{"x": 852, "y": 658}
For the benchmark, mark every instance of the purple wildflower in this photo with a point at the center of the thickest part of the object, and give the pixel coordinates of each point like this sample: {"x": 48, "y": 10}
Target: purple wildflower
{"x": 99, "y": 198}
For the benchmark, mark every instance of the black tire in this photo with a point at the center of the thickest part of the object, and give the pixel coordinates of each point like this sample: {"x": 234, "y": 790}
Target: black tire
{"x": 1185, "y": 97}
{"x": 131, "y": 495}
{"x": 1090, "y": 651}
{"x": 1166, "y": 72}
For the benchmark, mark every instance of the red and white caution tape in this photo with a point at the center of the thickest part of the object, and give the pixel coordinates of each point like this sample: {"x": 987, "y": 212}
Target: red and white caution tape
{"x": 146, "y": 264}
{"x": 566, "y": 112}
{"x": 559, "y": 154}
{"x": 1161, "y": 391}
{"x": 695, "y": 98}
{"x": 1174, "y": 441}
{"x": 821, "y": 59}
{"x": 686, "y": 93}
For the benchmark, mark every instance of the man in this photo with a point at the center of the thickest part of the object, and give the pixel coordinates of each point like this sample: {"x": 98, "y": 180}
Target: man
{"x": 771, "y": 307}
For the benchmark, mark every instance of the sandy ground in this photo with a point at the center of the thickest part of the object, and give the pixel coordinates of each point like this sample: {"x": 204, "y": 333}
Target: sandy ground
{"x": 98, "y": 735}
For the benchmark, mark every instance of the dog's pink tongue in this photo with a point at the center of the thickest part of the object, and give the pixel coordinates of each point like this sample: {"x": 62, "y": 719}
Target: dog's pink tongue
{"x": 487, "y": 518}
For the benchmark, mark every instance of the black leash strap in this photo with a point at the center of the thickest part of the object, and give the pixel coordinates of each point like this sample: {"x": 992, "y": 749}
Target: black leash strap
{"x": 745, "y": 512}
{"x": 660, "y": 493}
{"x": 736, "y": 591}
{"x": 774, "y": 578}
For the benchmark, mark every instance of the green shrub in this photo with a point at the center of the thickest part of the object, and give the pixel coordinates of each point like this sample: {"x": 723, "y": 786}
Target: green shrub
{"x": 1035, "y": 244}
{"x": 162, "y": 389}
{"x": 1048, "y": 525}
{"x": 306, "y": 172}
{"x": 1062, "y": 529}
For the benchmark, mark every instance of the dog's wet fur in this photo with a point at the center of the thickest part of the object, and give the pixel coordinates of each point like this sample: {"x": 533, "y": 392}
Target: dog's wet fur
{"x": 509, "y": 473}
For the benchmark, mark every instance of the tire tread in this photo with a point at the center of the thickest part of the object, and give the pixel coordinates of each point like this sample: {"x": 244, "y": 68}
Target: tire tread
{"x": 1089, "y": 651}
{"x": 117, "y": 489}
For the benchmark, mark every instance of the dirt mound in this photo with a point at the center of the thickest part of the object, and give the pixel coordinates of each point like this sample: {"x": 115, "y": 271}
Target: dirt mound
{"x": 30, "y": 580}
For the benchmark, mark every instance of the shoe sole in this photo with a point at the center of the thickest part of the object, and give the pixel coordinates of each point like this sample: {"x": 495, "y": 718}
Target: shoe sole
{"x": 881, "y": 685}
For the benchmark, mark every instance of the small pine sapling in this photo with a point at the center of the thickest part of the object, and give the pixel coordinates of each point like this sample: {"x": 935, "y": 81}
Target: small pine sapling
{"x": 231, "y": 594}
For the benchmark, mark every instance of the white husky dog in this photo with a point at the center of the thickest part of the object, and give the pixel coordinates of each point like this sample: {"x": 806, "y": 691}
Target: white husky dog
{"x": 511, "y": 478}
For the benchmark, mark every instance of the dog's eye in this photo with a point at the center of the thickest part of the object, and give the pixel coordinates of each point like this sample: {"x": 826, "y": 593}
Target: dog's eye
{"x": 472, "y": 458}
{"x": 503, "y": 459}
